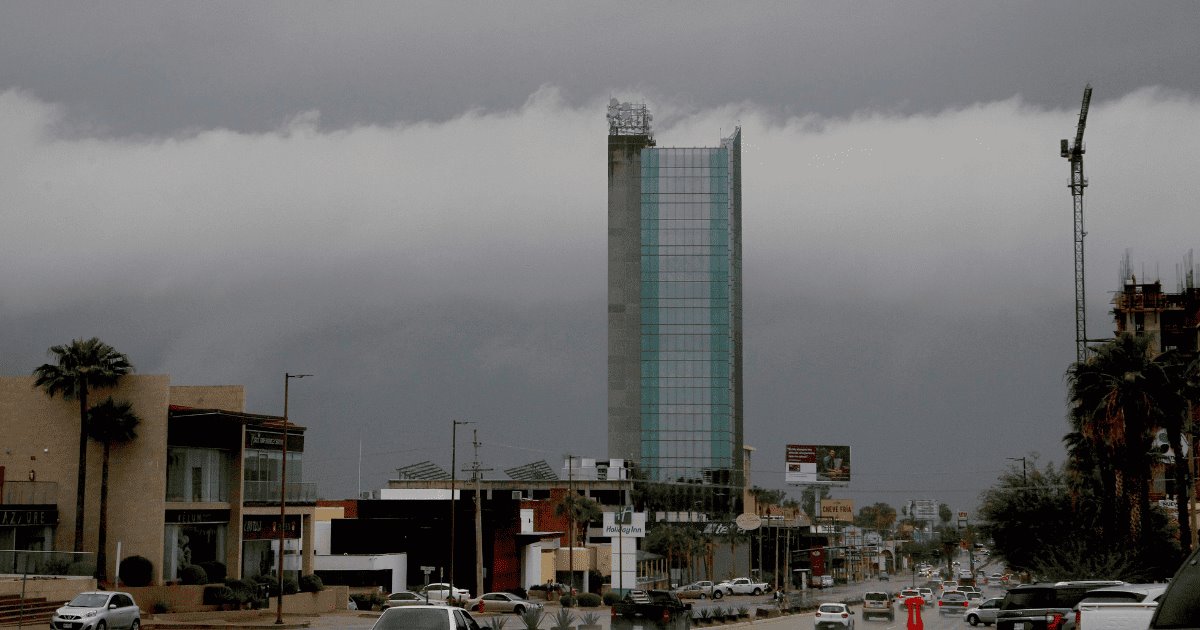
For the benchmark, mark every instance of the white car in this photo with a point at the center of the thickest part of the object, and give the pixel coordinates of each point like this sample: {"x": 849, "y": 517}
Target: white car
{"x": 98, "y": 610}
{"x": 744, "y": 586}
{"x": 833, "y": 616}
{"x": 502, "y": 602}
{"x": 441, "y": 591}
{"x": 927, "y": 595}
{"x": 426, "y": 618}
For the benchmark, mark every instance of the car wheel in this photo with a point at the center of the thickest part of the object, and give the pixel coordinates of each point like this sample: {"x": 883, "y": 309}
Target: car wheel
{"x": 519, "y": 609}
{"x": 137, "y": 624}
{"x": 758, "y": 591}
{"x": 718, "y": 595}
{"x": 101, "y": 625}
{"x": 973, "y": 620}
{"x": 703, "y": 596}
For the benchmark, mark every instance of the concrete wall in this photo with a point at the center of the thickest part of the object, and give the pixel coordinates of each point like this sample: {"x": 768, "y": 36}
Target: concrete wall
{"x": 41, "y": 435}
{"x": 224, "y": 397}
{"x": 56, "y": 589}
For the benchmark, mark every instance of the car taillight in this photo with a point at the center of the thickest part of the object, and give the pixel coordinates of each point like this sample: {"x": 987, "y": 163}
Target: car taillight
{"x": 1054, "y": 621}
{"x": 1077, "y": 615}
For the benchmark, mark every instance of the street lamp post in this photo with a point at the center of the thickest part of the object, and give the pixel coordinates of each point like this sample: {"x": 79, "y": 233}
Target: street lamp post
{"x": 283, "y": 493}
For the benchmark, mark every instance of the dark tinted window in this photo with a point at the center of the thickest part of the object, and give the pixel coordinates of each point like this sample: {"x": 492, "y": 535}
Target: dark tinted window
{"x": 1028, "y": 598}
{"x": 1179, "y": 607}
{"x": 1068, "y": 596}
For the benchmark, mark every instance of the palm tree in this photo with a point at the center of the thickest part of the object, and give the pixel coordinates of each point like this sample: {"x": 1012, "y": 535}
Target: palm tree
{"x": 108, "y": 423}
{"x": 1119, "y": 395}
{"x": 80, "y": 366}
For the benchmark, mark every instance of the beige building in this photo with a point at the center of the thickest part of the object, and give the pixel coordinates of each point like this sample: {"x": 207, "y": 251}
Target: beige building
{"x": 200, "y": 482}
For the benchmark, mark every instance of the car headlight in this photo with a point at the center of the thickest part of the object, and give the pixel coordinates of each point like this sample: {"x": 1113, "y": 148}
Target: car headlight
{"x": 91, "y": 613}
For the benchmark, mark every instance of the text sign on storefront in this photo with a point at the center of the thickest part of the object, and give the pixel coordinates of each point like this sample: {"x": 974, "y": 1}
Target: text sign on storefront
{"x": 40, "y": 516}
{"x": 270, "y": 441}
{"x": 267, "y": 527}
{"x": 184, "y": 517}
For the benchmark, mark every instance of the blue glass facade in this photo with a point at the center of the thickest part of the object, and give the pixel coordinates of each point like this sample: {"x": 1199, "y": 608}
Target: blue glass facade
{"x": 686, "y": 314}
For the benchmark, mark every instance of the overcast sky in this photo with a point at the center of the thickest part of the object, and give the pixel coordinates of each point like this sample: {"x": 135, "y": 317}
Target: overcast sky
{"x": 408, "y": 201}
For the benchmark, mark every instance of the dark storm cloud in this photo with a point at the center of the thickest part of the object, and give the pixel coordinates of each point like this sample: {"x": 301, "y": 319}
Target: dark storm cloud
{"x": 163, "y": 67}
{"x": 408, "y": 201}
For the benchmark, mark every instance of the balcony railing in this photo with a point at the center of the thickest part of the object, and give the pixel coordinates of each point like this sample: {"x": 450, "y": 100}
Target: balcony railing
{"x": 268, "y": 492}
{"x": 30, "y": 493}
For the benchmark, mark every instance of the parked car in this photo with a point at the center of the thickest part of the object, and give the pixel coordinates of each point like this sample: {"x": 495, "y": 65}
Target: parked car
{"x": 826, "y": 581}
{"x": 952, "y": 602}
{"x": 406, "y": 598}
{"x": 699, "y": 590}
{"x": 877, "y": 604}
{"x": 98, "y": 610}
{"x": 744, "y": 586}
{"x": 1179, "y": 607}
{"x": 833, "y": 616}
{"x": 442, "y": 591}
{"x": 984, "y": 612}
{"x": 426, "y": 618}
{"x": 501, "y": 602}
{"x": 1038, "y": 606}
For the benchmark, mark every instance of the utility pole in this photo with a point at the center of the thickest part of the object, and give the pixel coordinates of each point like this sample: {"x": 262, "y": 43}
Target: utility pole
{"x": 476, "y": 476}
{"x": 1024, "y": 481}
{"x": 1074, "y": 154}
{"x": 453, "y": 497}
{"x": 571, "y": 518}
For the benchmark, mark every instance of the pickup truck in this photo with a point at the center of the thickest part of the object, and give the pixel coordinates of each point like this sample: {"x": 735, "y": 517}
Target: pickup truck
{"x": 744, "y": 586}
{"x": 653, "y": 604}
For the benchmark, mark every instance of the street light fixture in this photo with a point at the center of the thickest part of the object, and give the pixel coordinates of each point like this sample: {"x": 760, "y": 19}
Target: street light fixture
{"x": 287, "y": 378}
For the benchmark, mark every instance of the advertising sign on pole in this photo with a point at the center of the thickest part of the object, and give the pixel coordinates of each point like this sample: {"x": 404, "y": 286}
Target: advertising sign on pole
{"x": 817, "y": 464}
{"x": 838, "y": 509}
{"x": 925, "y": 510}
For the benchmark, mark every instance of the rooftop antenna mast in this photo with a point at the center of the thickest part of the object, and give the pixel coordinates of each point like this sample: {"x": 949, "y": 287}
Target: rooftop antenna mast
{"x": 1074, "y": 154}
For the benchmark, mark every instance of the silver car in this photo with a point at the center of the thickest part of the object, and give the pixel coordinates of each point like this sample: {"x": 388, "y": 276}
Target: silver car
{"x": 502, "y": 602}
{"x": 98, "y": 610}
{"x": 408, "y": 598}
{"x": 984, "y": 613}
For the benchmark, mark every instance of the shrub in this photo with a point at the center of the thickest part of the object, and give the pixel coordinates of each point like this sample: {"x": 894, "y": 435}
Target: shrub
{"x": 564, "y": 618}
{"x": 243, "y": 592}
{"x": 160, "y": 608}
{"x": 218, "y": 595}
{"x": 290, "y": 586}
{"x": 136, "y": 571}
{"x": 589, "y": 599}
{"x": 589, "y": 619}
{"x": 532, "y": 619}
{"x": 311, "y": 584}
{"x": 519, "y": 592}
{"x": 193, "y": 574}
{"x": 269, "y": 580}
{"x": 56, "y": 566}
{"x": 566, "y": 601}
{"x": 610, "y": 598}
{"x": 364, "y": 601}
{"x": 216, "y": 571}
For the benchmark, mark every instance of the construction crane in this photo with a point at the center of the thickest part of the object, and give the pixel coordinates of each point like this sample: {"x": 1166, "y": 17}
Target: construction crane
{"x": 1074, "y": 154}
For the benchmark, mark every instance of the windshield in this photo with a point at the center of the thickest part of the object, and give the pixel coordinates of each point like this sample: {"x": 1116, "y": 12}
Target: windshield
{"x": 89, "y": 600}
{"x": 409, "y": 618}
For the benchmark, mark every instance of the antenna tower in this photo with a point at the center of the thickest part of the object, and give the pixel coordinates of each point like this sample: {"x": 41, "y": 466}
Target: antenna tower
{"x": 1074, "y": 154}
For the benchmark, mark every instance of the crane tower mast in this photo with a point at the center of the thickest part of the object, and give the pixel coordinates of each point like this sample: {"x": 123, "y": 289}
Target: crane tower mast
{"x": 1074, "y": 154}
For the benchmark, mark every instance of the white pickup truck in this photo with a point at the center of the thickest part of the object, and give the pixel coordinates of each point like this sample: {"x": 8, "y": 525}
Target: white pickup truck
{"x": 744, "y": 586}
{"x": 1117, "y": 607}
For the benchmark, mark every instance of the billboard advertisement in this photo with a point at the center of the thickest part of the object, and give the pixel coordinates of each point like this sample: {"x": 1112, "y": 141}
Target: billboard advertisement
{"x": 817, "y": 464}
{"x": 925, "y": 510}
{"x": 838, "y": 509}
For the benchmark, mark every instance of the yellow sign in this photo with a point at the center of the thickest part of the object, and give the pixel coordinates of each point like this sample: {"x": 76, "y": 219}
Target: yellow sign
{"x": 838, "y": 509}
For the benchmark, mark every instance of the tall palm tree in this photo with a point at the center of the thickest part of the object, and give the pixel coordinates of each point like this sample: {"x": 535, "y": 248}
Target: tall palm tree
{"x": 1119, "y": 396}
{"x": 79, "y": 367}
{"x": 109, "y": 423}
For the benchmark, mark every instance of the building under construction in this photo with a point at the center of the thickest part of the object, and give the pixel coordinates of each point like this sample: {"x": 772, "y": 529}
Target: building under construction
{"x": 1172, "y": 320}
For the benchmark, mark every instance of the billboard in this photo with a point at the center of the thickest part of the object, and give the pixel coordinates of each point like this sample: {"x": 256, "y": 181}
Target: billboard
{"x": 817, "y": 464}
{"x": 925, "y": 510}
{"x": 838, "y": 509}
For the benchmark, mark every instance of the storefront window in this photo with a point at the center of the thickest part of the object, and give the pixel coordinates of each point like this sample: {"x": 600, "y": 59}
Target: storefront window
{"x": 192, "y": 543}
{"x": 198, "y": 474}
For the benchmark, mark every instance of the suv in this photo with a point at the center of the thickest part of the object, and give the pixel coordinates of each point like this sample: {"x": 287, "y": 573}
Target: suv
{"x": 830, "y": 616}
{"x": 877, "y": 603}
{"x": 98, "y": 610}
{"x": 1041, "y": 606}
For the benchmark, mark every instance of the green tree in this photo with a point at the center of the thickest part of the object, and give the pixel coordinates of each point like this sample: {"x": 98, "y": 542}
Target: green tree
{"x": 810, "y": 498}
{"x": 79, "y": 367}
{"x": 108, "y": 423}
{"x": 944, "y": 513}
{"x": 1119, "y": 395}
{"x": 878, "y": 516}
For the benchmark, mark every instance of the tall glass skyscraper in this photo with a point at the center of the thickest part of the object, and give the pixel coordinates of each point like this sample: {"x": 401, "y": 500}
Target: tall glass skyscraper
{"x": 674, "y": 304}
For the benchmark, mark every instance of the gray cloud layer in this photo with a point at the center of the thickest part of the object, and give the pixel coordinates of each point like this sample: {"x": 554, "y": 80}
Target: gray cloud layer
{"x": 908, "y": 277}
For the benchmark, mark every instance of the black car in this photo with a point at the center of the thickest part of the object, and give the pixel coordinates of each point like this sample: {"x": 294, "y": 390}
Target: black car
{"x": 1044, "y": 605}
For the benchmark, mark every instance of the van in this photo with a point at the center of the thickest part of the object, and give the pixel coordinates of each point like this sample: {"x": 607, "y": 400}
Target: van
{"x": 826, "y": 581}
